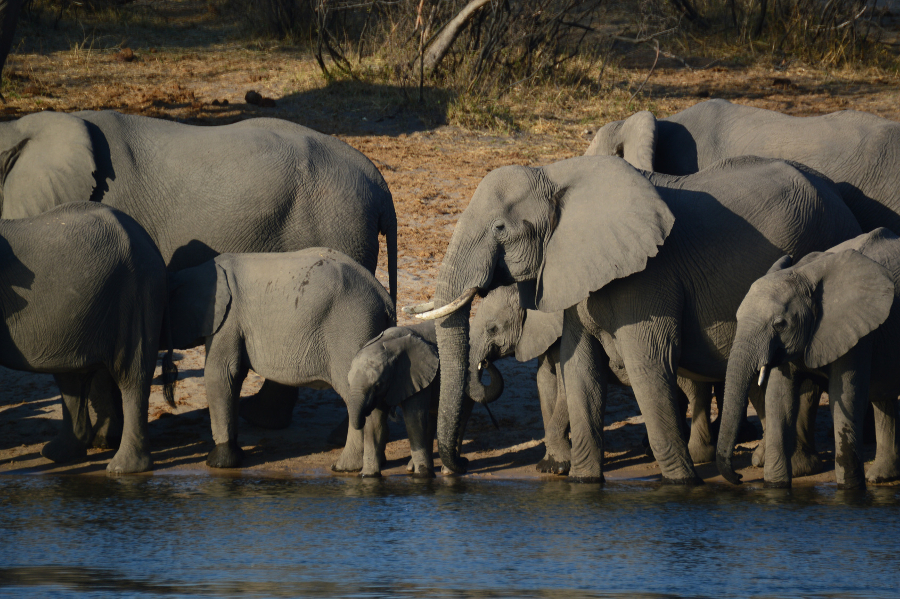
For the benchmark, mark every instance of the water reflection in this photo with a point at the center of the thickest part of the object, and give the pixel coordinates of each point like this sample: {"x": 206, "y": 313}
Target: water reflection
{"x": 213, "y": 536}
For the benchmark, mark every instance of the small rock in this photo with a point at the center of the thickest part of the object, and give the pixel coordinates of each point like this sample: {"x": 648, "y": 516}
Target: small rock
{"x": 253, "y": 97}
{"x": 587, "y": 132}
{"x": 126, "y": 55}
{"x": 782, "y": 82}
{"x": 216, "y": 103}
{"x": 702, "y": 93}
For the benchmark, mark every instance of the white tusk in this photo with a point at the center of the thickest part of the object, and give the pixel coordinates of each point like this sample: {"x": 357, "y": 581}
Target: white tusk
{"x": 419, "y": 309}
{"x": 763, "y": 375}
{"x": 450, "y": 308}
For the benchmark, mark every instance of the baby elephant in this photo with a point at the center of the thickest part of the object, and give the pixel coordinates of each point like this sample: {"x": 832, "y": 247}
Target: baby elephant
{"x": 83, "y": 290}
{"x": 400, "y": 368}
{"x": 834, "y": 313}
{"x": 296, "y": 318}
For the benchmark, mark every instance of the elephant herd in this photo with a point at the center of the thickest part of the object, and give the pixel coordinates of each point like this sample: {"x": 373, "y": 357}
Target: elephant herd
{"x": 677, "y": 254}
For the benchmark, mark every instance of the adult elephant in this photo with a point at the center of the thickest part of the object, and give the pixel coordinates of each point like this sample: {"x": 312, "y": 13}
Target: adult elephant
{"x": 583, "y": 235}
{"x": 860, "y": 152}
{"x": 260, "y": 185}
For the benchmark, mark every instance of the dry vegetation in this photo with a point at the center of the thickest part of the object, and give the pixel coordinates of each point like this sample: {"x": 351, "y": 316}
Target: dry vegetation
{"x": 194, "y": 61}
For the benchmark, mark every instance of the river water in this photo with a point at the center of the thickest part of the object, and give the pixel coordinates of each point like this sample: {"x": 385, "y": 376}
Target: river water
{"x": 197, "y": 535}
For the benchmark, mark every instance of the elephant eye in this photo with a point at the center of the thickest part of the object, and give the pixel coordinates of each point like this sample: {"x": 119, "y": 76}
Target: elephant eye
{"x": 779, "y": 324}
{"x": 499, "y": 228}
{"x": 492, "y": 329}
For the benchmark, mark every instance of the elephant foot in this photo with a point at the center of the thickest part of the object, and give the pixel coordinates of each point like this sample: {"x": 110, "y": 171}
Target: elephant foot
{"x": 688, "y": 481}
{"x": 759, "y": 456}
{"x": 702, "y": 453}
{"x": 272, "y": 407}
{"x": 423, "y": 472}
{"x": 338, "y": 435}
{"x": 883, "y": 471}
{"x": 411, "y": 466}
{"x": 64, "y": 449}
{"x": 588, "y": 480}
{"x": 129, "y": 460}
{"x": 855, "y": 485}
{"x": 225, "y": 455}
{"x": 348, "y": 463}
{"x": 107, "y": 435}
{"x": 550, "y": 465}
{"x": 464, "y": 462}
{"x": 375, "y": 474}
{"x": 777, "y": 484}
{"x": 805, "y": 463}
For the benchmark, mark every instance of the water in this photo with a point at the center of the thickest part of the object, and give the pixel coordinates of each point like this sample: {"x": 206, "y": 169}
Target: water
{"x": 198, "y": 535}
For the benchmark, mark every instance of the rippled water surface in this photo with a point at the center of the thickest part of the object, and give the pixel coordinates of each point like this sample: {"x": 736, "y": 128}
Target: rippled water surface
{"x": 211, "y": 536}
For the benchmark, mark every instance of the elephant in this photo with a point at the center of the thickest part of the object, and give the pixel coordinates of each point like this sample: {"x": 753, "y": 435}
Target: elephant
{"x": 83, "y": 290}
{"x": 834, "y": 313}
{"x": 860, "y": 152}
{"x": 296, "y": 318}
{"x": 260, "y": 185}
{"x": 583, "y": 235}
{"x": 501, "y": 328}
{"x": 400, "y": 367}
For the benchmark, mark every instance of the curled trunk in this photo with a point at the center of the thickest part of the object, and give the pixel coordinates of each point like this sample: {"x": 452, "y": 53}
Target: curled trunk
{"x": 740, "y": 374}
{"x": 491, "y": 392}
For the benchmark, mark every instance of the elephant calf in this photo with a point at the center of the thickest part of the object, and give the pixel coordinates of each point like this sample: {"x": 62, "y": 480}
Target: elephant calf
{"x": 83, "y": 290}
{"x": 400, "y": 367}
{"x": 833, "y": 313}
{"x": 296, "y": 318}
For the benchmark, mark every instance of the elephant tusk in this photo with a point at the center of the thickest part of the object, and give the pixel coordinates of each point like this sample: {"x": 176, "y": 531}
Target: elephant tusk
{"x": 418, "y": 309}
{"x": 763, "y": 375}
{"x": 450, "y": 308}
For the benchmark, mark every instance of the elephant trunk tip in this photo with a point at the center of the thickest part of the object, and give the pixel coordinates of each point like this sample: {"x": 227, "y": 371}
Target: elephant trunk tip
{"x": 727, "y": 470}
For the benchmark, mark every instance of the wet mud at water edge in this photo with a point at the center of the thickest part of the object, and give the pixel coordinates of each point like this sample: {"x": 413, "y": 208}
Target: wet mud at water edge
{"x": 196, "y": 536}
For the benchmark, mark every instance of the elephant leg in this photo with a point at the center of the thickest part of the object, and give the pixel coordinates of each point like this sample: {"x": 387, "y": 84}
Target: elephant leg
{"x": 351, "y": 458}
{"x": 74, "y": 436}
{"x": 700, "y": 445}
{"x": 848, "y": 395}
{"x": 106, "y": 400}
{"x": 133, "y": 454}
{"x": 584, "y": 370}
{"x": 782, "y": 405}
{"x": 805, "y": 461}
{"x": 375, "y": 438}
{"x": 272, "y": 407}
{"x": 757, "y": 396}
{"x": 555, "y": 412}
{"x": 887, "y": 453}
{"x": 416, "y": 418}
{"x": 224, "y": 374}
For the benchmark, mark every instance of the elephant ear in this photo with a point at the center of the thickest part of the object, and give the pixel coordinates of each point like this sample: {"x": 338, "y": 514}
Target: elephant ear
{"x": 199, "y": 300}
{"x": 539, "y": 332}
{"x": 415, "y": 364}
{"x": 780, "y": 264}
{"x": 633, "y": 139}
{"x": 49, "y": 162}
{"x": 610, "y": 219}
{"x": 853, "y": 297}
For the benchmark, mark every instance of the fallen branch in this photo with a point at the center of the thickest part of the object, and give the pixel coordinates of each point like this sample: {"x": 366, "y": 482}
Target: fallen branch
{"x": 442, "y": 43}
{"x": 648, "y": 74}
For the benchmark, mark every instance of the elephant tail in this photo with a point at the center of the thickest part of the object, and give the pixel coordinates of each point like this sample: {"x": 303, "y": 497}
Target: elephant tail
{"x": 388, "y": 228}
{"x": 169, "y": 370}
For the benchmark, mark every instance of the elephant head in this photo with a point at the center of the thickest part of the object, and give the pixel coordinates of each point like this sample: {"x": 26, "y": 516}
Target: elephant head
{"x": 560, "y": 232}
{"x": 815, "y": 312}
{"x": 199, "y": 301}
{"x": 633, "y": 139}
{"x": 501, "y": 328}
{"x": 46, "y": 159}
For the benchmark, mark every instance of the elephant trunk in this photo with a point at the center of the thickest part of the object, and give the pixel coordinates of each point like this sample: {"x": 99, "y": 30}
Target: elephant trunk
{"x": 360, "y": 404}
{"x": 489, "y": 393}
{"x": 742, "y": 367}
{"x": 453, "y": 350}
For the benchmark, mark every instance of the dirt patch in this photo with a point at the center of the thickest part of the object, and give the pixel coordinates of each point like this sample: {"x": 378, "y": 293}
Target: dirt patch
{"x": 432, "y": 169}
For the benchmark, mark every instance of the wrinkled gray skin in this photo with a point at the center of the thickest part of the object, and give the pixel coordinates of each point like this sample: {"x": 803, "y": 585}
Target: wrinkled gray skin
{"x": 501, "y": 328}
{"x": 576, "y": 236}
{"x": 400, "y": 367}
{"x": 860, "y": 152}
{"x": 296, "y": 318}
{"x": 261, "y": 185}
{"x": 83, "y": 290}
{"x": 835, "y": 314}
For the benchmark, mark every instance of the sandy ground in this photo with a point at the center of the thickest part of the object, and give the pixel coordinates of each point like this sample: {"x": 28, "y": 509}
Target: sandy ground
{"x": 432, "y": 169}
